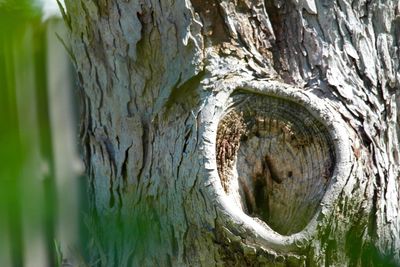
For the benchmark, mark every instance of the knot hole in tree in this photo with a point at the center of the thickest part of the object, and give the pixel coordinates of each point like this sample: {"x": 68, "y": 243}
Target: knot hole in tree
{"x": 274, "y": 159}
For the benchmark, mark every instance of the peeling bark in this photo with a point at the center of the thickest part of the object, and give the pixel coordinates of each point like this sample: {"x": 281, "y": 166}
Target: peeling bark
{"x": 156, "y": 79}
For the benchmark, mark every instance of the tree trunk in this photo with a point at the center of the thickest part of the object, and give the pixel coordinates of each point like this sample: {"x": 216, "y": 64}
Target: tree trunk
{"x": 240, "y": 133}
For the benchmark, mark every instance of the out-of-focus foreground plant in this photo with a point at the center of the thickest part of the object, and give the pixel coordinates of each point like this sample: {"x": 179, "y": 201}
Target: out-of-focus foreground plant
{"x": 26, "y": 187}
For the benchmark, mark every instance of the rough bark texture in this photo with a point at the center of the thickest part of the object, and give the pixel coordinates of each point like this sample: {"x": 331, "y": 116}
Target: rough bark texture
{"x": 157, "y": 77}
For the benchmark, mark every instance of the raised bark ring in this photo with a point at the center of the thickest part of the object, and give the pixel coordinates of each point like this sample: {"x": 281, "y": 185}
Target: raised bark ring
{"x": 269, "y": 142}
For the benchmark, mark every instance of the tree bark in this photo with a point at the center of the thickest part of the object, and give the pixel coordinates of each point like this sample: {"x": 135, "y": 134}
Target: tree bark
{"x": 240, "y": 133}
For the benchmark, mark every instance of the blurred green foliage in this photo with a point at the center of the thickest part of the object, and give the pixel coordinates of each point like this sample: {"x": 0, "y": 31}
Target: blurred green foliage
{"x": 15, "y": 18}
{"x": 22, "y": 67}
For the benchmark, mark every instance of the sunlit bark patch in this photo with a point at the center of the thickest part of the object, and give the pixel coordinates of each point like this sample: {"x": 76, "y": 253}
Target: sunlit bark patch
{"x": 275, "y": 160}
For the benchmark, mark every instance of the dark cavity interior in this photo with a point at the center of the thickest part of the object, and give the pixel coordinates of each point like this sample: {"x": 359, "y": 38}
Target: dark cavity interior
{"x": 275, "y": 160}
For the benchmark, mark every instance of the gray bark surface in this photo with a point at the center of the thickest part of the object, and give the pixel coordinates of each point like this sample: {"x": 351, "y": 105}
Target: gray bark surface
{"x": 172, "y": 186}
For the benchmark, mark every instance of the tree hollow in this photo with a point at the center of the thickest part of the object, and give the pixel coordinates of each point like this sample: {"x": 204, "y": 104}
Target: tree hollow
{"x": 274, "y": 159}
